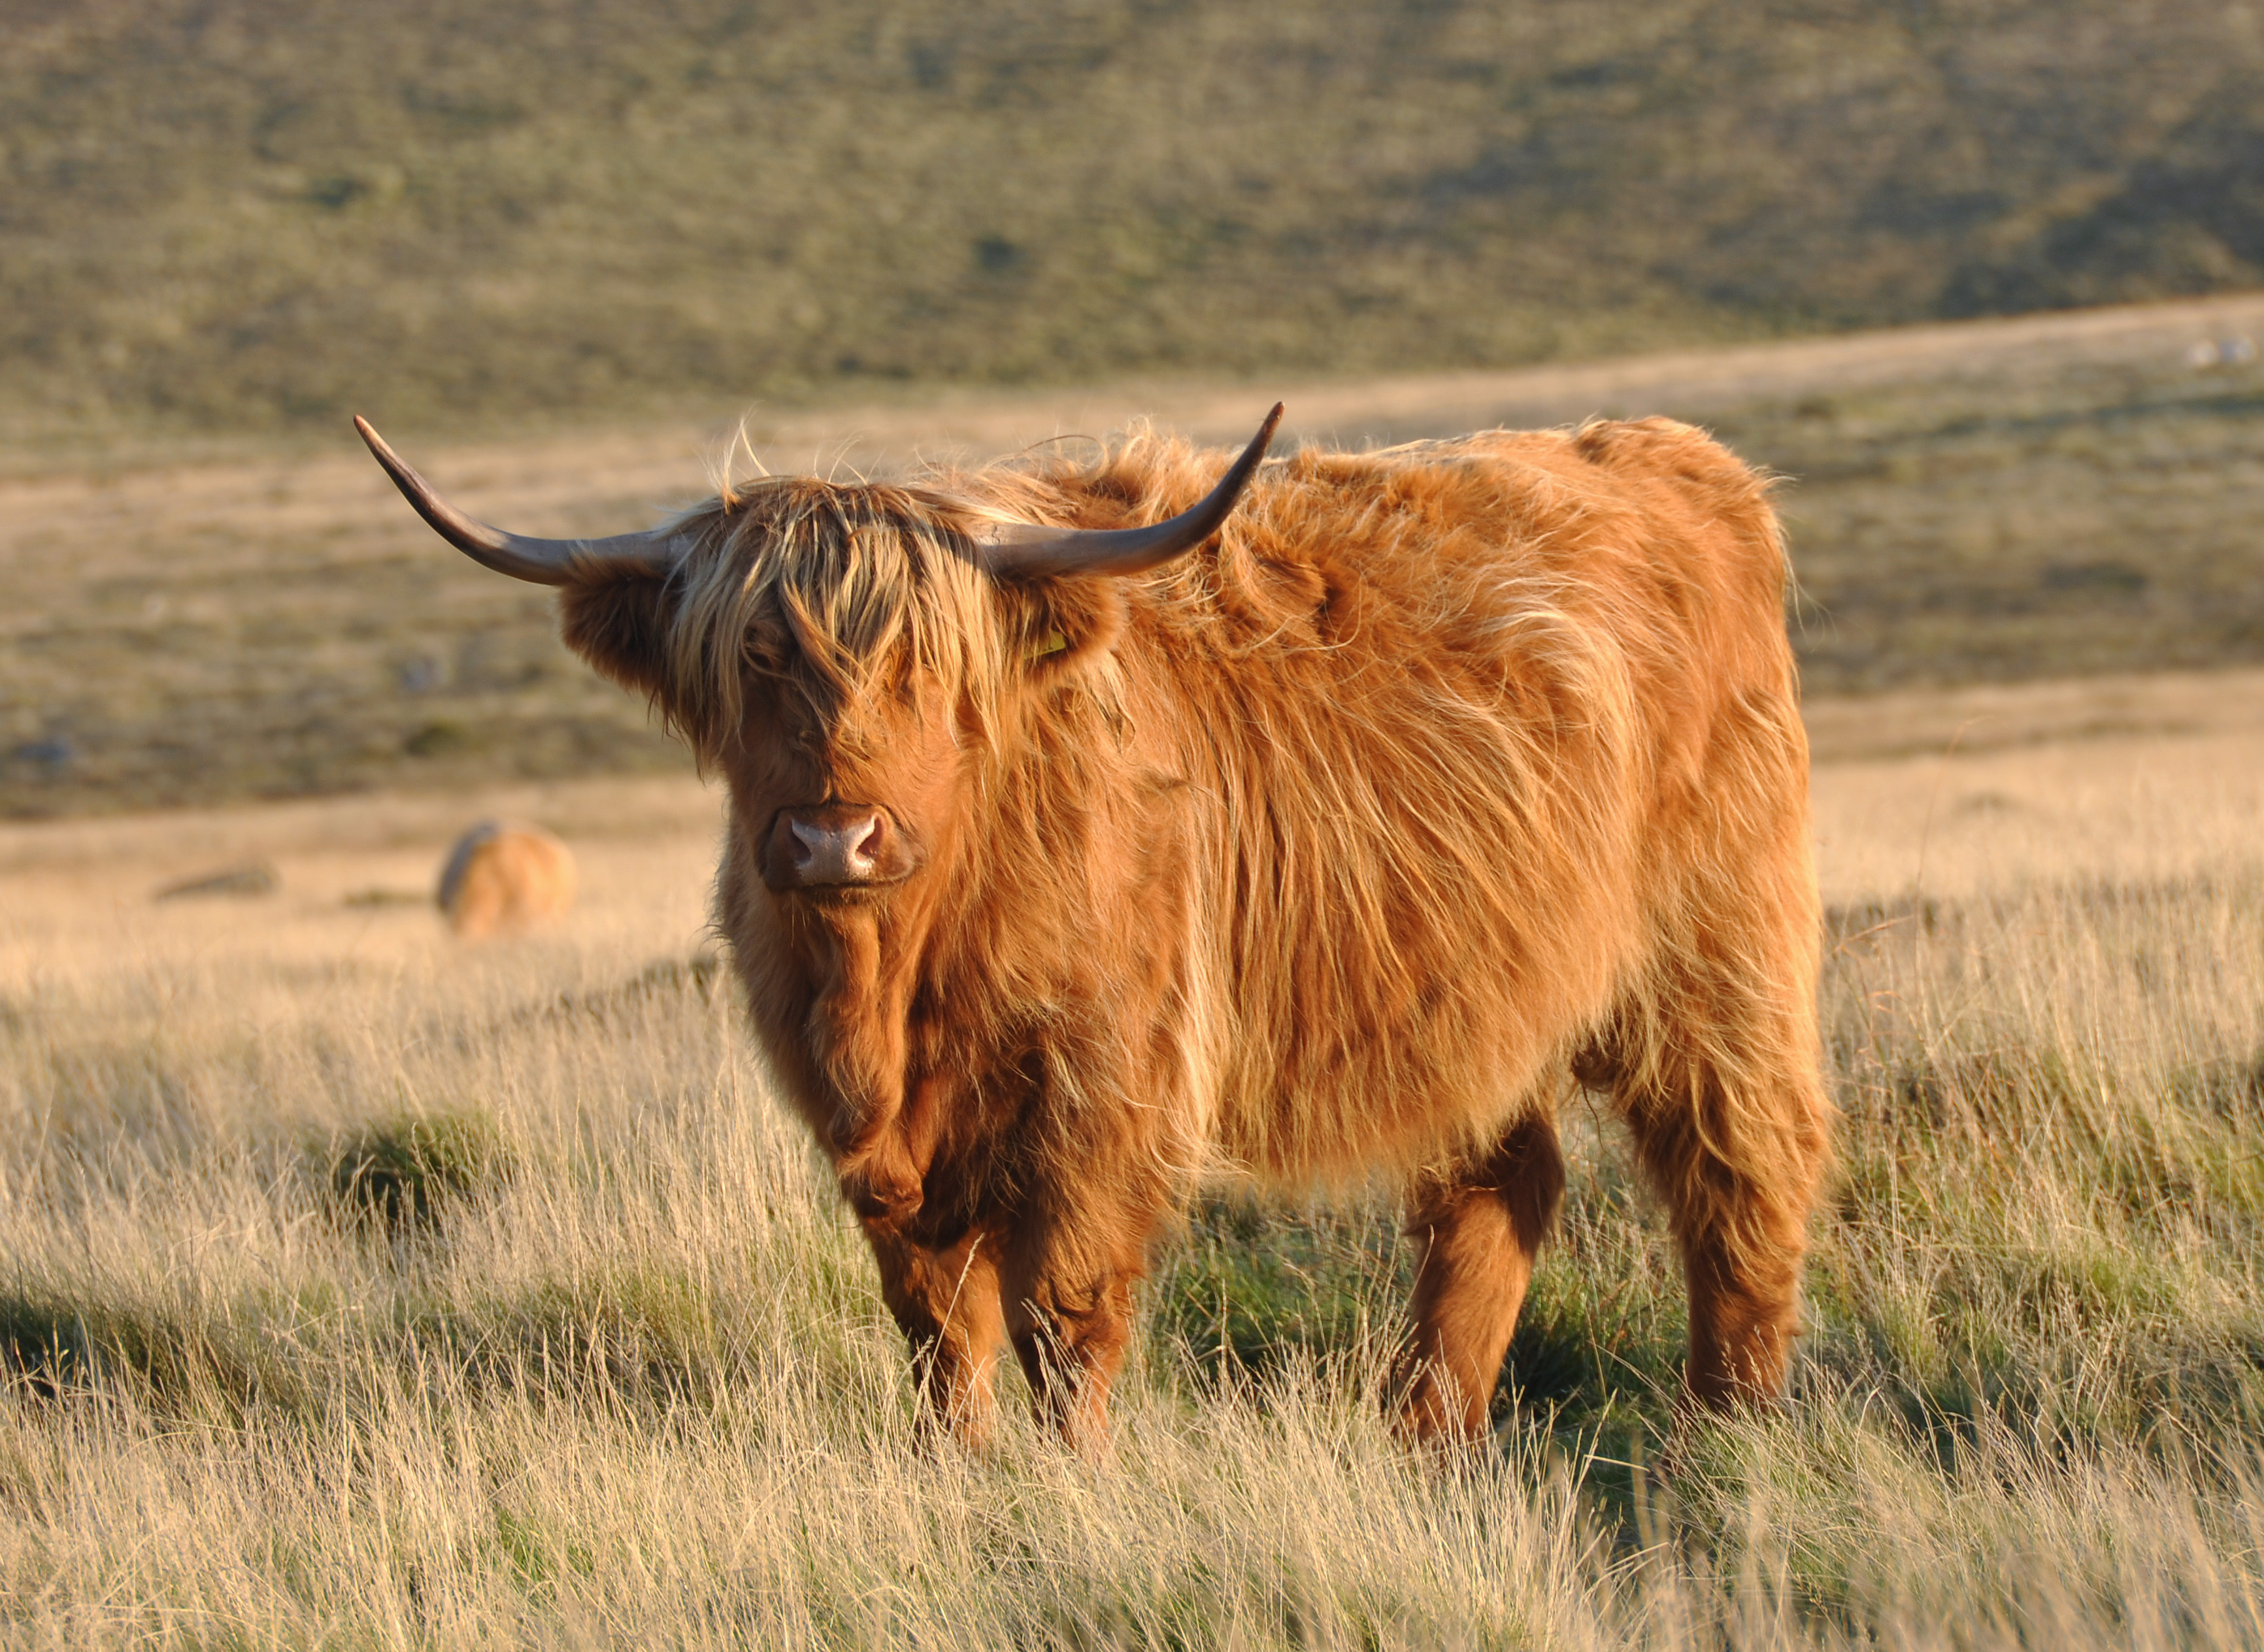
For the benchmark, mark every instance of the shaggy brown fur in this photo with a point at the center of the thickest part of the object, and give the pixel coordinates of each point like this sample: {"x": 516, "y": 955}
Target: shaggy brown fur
{"x": 501, "y": 878}
{"x": 1332, "y": 845}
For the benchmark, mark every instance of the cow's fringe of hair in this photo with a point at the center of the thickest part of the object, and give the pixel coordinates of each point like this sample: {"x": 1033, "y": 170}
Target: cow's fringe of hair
{"x": 850, "y": 584}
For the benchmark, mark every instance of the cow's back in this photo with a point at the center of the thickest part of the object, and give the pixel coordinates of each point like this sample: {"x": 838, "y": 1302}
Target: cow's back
{"x": 1463, "y": 723}
{"x": 502, "y": 878}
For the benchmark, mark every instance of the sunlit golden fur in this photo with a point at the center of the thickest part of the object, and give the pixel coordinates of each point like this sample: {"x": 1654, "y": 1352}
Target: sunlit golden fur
{"x": 501, "y": 878}
{"x": 1443, "y": 773}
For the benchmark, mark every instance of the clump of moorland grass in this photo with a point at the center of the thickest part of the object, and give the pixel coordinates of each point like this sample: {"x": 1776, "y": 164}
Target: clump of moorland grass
{"x": 397, "y": 1174}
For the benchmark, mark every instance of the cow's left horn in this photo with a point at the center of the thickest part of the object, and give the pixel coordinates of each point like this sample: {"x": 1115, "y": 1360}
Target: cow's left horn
{"x": 1025, "y": 548}
{"x": 543, "y": 561}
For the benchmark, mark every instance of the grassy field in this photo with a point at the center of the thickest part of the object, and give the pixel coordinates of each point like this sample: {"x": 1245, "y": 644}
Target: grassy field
{"x": 196, "y": 621}
{"x": 356, "y": 1288}
{"x": 359, "y": 1288}
{"x": 260, "y": 213}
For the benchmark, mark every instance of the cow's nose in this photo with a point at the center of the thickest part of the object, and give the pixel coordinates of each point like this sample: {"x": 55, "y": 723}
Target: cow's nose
{"x": 827, "y": 853}
{"x": 836, "y": 844}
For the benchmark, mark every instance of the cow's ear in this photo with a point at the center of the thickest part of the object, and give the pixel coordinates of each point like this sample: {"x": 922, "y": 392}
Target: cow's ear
{"x": 621, "y": 626}
{"x": 1066, "y": 623}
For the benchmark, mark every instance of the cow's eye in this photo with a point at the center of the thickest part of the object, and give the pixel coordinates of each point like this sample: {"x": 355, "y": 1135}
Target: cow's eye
{"x": 767, "y": 651}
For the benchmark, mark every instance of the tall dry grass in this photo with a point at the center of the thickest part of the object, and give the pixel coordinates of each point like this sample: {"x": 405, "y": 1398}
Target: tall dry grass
{"x": 358, "y": 1289}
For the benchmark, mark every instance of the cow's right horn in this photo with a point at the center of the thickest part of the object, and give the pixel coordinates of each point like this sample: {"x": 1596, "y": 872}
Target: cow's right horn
{"x": 543, "y": 561}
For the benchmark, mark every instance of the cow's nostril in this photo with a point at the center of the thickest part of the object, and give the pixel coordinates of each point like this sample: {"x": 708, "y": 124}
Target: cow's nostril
{"x": 835, "y": 845}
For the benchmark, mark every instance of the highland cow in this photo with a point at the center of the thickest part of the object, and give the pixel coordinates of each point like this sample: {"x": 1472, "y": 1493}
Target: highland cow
{"x": 503, "y": 879}
{"x": 1090, "y": 835}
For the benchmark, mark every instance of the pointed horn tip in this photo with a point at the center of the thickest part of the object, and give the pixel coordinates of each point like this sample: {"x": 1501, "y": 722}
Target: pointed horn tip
{"x": 375, "y": 443}
{"x": 1259, "y": 445}
{"x": 1263, "y": 441}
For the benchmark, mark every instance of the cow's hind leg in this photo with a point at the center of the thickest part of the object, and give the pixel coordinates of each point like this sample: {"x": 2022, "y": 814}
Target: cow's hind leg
{"x": 945, "y": 1297}
{"x": 1479, "y": 1225}
{"x": 1717, "y": 1080}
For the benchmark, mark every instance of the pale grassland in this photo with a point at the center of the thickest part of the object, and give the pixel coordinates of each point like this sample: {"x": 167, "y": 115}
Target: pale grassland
{"x": 358, "y": 1289}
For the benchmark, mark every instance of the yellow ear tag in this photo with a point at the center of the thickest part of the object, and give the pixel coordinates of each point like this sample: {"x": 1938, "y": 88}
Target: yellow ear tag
{"x": 1054, "y": 643}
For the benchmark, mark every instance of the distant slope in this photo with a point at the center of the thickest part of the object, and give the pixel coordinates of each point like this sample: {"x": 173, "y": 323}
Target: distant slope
{"x": 245, "y": 212}
{"x": 1979, "y": 502}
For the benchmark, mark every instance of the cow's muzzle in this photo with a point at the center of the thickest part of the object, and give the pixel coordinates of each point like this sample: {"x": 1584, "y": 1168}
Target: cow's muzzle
{"x": 834, "y": 846}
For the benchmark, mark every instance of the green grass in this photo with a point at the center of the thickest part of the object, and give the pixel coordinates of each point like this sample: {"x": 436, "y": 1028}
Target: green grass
{"x": 397, "y": 1174}
{"x": 273, "y": 211}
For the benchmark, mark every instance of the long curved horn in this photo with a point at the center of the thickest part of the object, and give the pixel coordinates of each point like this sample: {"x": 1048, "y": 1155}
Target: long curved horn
{"x": 542, "y": 561}
{"x": 1023, "y": 548}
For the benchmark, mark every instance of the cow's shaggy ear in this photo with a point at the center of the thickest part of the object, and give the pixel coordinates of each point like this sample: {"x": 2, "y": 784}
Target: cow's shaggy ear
{"x": 621, "y": 628}
{"x": 1065, "y": 623}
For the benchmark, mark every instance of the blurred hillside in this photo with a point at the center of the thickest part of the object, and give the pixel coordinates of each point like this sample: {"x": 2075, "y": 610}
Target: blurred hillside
{"x": 245, "y": 213}
{"x": 2052, "y": 495}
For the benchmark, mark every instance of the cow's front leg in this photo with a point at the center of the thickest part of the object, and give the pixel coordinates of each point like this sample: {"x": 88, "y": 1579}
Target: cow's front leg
{"x": 945, "y": 1297}
{"x": 943, "y": 1294}
{"x": 1068, "y": 1288}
